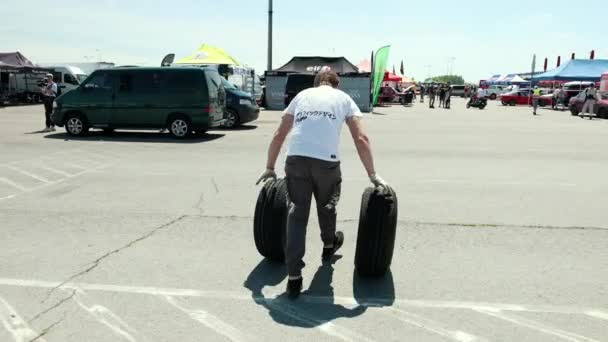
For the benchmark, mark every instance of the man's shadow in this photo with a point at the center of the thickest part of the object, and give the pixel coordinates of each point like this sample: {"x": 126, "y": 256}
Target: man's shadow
{"x": 317, "y": 305}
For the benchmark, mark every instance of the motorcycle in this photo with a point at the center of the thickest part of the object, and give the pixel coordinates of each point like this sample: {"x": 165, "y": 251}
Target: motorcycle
{"x": 478, "y": 103}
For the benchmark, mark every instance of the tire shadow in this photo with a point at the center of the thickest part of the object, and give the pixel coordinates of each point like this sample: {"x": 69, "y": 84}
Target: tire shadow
{"x": 144, "y": 137}
{"x": 316, "y": 305}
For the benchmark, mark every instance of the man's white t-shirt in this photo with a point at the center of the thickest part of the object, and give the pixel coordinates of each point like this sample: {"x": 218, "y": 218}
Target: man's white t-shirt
{"x": 318, "y": 117}
{"x": 481, "y": 92}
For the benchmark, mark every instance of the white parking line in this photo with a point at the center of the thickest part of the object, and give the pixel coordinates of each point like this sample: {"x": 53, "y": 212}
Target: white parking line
{"x": 106, "y": 317}
{"x": 434, "y": 327}
{"x": 13, "y": 184}
{"x": 29, "y": 174}
{"x": 210, "y": 321}
{"x": 7, "y": 197}
{"x": 50, "y": 169}
{"x": 525, "y": 322}
{"x": 177, "y": 292}
{"x": 597, "y": 314}
{"x": 16, "y": 325}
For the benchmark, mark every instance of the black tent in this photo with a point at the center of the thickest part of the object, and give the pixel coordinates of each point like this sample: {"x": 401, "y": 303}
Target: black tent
{"x": 339, "y": 65}
{"x": 15, "y": 60}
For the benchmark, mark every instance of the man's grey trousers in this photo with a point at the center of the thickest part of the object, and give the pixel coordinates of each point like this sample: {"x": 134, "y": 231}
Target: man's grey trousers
{"x": 307, "y": 177}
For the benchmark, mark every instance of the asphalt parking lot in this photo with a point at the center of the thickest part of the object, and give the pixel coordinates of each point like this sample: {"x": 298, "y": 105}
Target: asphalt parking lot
{"x": 134, "y": 236}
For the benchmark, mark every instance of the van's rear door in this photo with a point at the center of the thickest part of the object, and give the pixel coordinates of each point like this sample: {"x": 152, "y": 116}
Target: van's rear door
{"x": 217, "y": 97}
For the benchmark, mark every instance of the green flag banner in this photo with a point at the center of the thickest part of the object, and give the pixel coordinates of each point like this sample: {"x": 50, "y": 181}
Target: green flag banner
{"x": 378, "y": 68}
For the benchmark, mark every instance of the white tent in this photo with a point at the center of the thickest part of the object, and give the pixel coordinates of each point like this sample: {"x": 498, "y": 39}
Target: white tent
{"x": 517, "y": 79}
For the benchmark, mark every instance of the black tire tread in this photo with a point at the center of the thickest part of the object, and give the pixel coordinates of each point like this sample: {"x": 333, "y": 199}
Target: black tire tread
{"x": 377, "y": 231}
{"x": 270, "y": 220}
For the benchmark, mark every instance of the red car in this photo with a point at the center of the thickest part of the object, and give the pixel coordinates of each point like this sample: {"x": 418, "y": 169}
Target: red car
{"x": 600, "y": 109}
{"x": 522, "y": 98}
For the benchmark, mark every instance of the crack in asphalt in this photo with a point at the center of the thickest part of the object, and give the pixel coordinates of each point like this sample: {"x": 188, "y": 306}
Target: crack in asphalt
{"x": 46, "y": 330}
{"x": 53, "y": 307}
{"x": 200, "y": 202}
{"x": 96, "y": 262}
{"x": 438, "y": 224}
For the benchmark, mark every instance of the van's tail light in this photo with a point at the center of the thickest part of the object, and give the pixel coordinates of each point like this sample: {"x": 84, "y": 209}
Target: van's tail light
{"x": 207, "y": 109}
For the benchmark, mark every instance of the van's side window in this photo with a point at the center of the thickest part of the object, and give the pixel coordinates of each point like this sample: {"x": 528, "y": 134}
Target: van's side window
{"x": 100, "y": 80}
{"x": 146, "y": 82}
{"x": 67, "y": 78}
{"x": 181, "y": 82}
{"x": 125, "y": 83}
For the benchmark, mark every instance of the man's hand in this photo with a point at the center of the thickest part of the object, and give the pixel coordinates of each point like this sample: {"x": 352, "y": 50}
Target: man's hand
{"x": 266, "y": 176}
{"x": 378, "y": 181}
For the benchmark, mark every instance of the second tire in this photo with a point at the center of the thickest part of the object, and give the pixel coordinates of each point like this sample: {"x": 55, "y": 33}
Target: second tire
{"x": 270, "y": 220}
{"x": 377, "y": 231}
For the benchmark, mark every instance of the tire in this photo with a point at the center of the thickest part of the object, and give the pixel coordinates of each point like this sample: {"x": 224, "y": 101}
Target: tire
{"x": 231, "y": 119}
{"x": 602, "y": 113}
{"x": 376, "y": 234}
{"x": 76, "y": 125}
{"x": 482, "y": 106}
{"x": 574, "y": 111}
{"x": 542, "y": 103}
{"x": 108, "y": 130}
{"x": 180, "y": 127}
{"x": 504, "y": 103}
{"x": 493, "y": 97}
{"x": 270, "y": 220}
{"x": 512, "y": 103}
{"x": 468, "y": 105}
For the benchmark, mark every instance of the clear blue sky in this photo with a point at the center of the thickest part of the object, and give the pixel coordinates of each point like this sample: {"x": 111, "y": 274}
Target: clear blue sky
{"x": 484, "y": 37}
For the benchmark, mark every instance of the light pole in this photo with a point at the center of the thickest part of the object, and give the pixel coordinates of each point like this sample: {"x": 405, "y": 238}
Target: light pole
{"x": 269, "y": 65}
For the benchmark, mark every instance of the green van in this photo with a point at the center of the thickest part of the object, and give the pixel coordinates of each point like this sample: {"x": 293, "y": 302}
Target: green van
{"x": 181, "y": 100}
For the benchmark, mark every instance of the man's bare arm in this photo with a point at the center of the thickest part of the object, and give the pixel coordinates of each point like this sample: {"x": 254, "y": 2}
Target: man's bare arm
{"x": 362, "y": 143}
{"x": 278, "y": 139}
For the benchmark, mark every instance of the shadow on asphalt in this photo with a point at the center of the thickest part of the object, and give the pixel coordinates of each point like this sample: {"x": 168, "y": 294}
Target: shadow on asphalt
{"x": 239, "y": 128}
{"x": 145, "y": 137}
{"x": 316, "y": 305}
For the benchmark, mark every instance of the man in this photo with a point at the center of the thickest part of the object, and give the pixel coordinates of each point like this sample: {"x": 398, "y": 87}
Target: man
{"x": 431, "y": 96}
{"x": 312, "y": 167}
{"x": 556, "y": 98}
{"x": 49, "y": 91}
{"x": 422, "y": 90}
{"x": 536, "y": 92}
{"x": 448, "y": 97}
{"x": 590, "y": 99}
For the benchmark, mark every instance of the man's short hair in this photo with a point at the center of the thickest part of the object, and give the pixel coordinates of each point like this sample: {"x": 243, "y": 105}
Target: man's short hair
{"x": 327, "y": 77}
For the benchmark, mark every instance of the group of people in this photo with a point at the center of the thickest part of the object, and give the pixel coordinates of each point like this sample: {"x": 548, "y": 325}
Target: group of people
{"x": 560, "y": 97}
{"x": 443, "y": 91}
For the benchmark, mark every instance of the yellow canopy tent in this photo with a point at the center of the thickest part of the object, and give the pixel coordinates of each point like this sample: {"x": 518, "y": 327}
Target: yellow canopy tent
{"x": 207, "y": 54}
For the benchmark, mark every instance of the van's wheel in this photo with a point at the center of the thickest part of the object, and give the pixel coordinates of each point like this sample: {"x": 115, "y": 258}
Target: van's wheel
{"x": 179, "y": 126}
{"x": 270, "y": 220}
{"x": 493, "y": 97}
{"x": 377, "y": 230}
{"x": 76, "y": 125}
{"x": 231, "y": 119}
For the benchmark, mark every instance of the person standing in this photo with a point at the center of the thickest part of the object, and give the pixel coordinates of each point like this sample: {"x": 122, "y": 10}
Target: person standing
{"x": 49, "y": 91}
{"x": 441, "y": 96}
{"x": 448, "y": 98}
{"x": 431, "y": 96}
{"x": 536, "y": 92}
{"x": 556, "y": 98}
{"x": 316, "y": 116}
{"x": 422, "y": 90}
{"x": 590, "y": 100}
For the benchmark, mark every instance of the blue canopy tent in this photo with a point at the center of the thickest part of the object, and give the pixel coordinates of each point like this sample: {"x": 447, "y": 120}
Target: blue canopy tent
{"x": 576, "y": 70}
